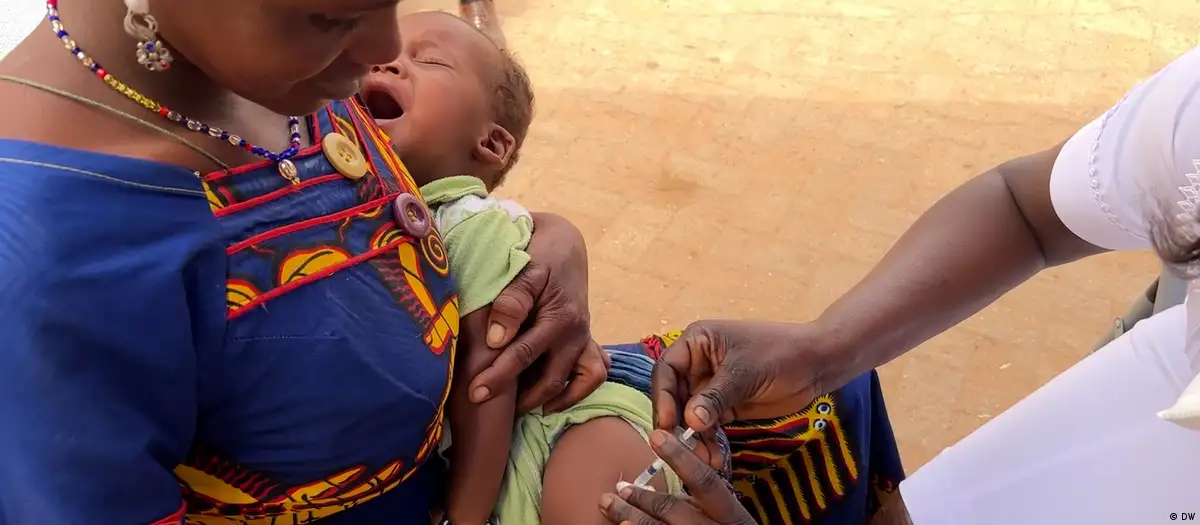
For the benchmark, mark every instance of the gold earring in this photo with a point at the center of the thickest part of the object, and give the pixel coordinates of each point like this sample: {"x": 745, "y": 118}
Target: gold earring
{"x": 141, "y": 25}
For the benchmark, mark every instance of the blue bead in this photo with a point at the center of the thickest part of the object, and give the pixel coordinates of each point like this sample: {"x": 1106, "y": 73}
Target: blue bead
{"x": 224, "y": 135}
{"x": 61, "y": 34}
{"x": 149, "y": 46}
{"x": 53, "y": 18}
{"x": 75, "y": 50}
{"x": 94, "y": 67}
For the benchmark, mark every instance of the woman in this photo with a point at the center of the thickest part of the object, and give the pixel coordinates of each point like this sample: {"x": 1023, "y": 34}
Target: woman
{"x": 1089, "y": 446}
{"x": 222, "y": 298}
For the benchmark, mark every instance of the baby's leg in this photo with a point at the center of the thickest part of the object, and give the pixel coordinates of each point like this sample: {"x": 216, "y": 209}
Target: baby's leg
{"x": 587, "y": 461}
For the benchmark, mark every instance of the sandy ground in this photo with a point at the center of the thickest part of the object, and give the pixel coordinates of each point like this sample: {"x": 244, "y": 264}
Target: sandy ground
{"x": 754, "y": 158}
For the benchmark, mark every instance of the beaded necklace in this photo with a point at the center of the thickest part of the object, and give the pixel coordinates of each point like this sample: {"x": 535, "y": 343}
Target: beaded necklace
{"x": 286, "y": 168}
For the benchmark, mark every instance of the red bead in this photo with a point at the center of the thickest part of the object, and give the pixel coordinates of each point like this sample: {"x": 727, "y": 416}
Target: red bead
{"x": 101, "y": 73}
{"x": 52, "y": 3}
{"x": 247, "y": 147}
{"x": 162, "y": 110}
{"x": 164, "y": 64}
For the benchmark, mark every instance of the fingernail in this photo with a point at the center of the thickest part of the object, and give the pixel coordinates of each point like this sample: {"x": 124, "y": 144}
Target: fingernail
{"x": 495, "y": 334}
{"x": 606, "y": 501}
{"x": 480, "y": 394}
{"x": 658, "y": 437}
{"x": 702, "y": 414}
{"x": 626, "y": 492}
{"x": 623, "y": 486}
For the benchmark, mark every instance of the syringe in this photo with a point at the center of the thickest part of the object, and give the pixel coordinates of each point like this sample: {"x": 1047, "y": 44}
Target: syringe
{"x": 644, "y": 478}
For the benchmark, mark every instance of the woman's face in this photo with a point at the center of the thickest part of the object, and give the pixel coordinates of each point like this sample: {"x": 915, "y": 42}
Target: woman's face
{"x": 291, "y": 56}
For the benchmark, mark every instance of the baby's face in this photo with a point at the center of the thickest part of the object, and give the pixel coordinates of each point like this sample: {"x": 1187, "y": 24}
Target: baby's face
{"x": 434, "y": 100}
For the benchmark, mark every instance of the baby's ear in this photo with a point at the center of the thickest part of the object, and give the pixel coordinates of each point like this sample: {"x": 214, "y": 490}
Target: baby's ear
{"x": 495, "y": 146}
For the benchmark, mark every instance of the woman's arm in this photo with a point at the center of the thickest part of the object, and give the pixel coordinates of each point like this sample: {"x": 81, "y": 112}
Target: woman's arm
{"x": 106, "y": 291}
{"x": 98, "y": 399}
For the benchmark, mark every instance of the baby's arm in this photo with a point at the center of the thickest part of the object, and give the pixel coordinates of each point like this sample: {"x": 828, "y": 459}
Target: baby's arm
{"x": 481, "y": 432}
{"x": 587, "y": 461}
{"x": 485, "y": 239}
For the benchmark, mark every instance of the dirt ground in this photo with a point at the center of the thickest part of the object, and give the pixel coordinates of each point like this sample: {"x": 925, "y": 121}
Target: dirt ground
{"x": 754, "y": 158}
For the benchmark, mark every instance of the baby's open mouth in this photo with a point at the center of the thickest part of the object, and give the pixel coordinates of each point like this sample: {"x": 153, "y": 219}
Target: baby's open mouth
{"x": 381, "y": 103}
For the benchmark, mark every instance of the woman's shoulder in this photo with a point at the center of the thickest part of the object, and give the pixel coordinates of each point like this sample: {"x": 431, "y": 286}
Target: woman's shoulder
{"x": 57, "y": 165}
{"x": 58, "y": 203}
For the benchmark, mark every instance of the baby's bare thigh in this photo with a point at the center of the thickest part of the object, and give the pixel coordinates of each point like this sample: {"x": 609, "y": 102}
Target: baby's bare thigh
{"x": 587, "y": 461}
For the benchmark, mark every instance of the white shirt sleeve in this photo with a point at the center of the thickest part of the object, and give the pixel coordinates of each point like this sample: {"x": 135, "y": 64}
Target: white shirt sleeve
{"x": 1136, "y": 164}
{"x": 18, "y": 18}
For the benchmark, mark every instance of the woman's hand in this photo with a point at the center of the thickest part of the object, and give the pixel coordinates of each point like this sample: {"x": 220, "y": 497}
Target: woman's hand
{"x": 545, "y": 310}
{"x": 712, "y": 501}
{"x": 718, "y": 371}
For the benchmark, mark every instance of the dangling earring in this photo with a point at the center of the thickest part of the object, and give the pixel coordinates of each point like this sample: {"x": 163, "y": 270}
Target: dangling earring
{"x": 140, "y": 24}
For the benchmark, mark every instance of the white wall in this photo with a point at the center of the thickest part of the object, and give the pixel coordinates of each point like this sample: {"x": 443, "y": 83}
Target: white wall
{"x": 17, "y": 19}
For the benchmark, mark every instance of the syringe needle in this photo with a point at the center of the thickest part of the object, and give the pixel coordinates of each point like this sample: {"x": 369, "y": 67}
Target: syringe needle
{"x": 644, "y": 478}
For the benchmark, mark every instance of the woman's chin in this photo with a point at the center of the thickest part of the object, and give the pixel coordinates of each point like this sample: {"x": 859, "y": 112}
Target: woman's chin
{"x": 304, "y": 100}
{"x": 298, "y": 106}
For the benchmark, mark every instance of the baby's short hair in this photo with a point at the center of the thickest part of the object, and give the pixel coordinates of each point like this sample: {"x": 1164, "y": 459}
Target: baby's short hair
{"x": 512, "y": 102}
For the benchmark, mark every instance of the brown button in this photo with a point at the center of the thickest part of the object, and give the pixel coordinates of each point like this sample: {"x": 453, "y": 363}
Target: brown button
{"x": 412, "y": 216}
{"x": 344, "y": 155}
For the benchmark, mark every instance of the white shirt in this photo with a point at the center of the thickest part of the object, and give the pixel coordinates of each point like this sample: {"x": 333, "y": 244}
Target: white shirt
{"x": 1135, "y": 166}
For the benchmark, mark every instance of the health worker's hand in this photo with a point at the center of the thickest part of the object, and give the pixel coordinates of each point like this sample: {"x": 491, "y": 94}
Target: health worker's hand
{"x": 711, "y": 500}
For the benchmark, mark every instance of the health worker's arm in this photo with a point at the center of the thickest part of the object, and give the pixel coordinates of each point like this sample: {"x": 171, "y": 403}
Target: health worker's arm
{"x": 1103, "y": 189}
